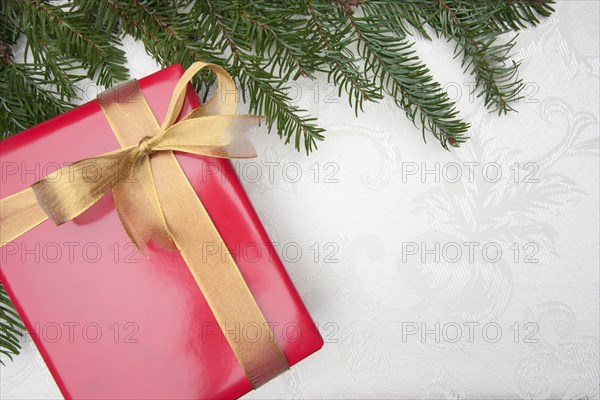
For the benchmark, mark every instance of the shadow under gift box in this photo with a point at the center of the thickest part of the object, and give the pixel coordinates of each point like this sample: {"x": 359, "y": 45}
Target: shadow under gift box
{"x": 113, "y": 324}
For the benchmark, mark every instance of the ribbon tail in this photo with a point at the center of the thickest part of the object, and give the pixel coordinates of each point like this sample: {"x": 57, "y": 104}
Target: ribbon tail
{"x": 136, "y": 201}
{"x": 68, "y": 192}
{"x": 19, "y": 214}
{"x": 216, "y": 274}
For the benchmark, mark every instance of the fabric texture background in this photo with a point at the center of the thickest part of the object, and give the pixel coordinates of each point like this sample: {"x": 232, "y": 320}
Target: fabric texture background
{"x": 472, "y": 273}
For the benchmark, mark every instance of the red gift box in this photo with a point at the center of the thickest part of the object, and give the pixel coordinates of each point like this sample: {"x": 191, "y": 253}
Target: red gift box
{"x": 113, "y": 324}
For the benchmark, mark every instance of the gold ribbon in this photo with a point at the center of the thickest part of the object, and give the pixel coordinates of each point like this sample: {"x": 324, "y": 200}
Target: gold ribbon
{"x": 155, "y": 200}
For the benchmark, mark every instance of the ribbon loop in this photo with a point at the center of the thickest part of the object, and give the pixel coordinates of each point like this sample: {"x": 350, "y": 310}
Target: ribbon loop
{"x": 200, "y": 132}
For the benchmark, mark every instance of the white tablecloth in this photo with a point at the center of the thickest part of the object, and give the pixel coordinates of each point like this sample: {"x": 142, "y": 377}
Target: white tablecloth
{"x": 436, "y": 274}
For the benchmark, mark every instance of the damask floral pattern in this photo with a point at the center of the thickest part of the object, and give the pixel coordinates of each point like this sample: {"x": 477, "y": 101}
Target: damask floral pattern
{"x": 434, "y": 274}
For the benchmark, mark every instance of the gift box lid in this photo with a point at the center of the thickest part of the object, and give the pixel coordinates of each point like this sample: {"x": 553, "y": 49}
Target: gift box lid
{"x": 111, "y": 323}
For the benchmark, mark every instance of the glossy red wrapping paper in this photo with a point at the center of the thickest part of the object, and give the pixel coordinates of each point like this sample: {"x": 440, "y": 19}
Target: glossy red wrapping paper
{"x": 112, "y": 324}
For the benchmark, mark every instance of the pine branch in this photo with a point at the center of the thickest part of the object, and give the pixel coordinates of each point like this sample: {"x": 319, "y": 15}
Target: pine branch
{"x": 343, "y": 70}
{"x": 391, "y": 59}
{"x": 289, "y": 39}
{"x": 168, "y": 36}
{"x": 475, "y": 26}
{"x": 495, "y": 75}
{"x": 66, "y": 31}
{"x": 38, "y": 98}
{"x": 49, "y": 65}
{"x": 405, "y": 16}
{"x": 11, "y": 328}
{"x": 30, "y": 94}
{"x": 282, "y": 39}
{"x": 267, "y": 93}
{"x": 515, "y": 15}
{"x": 498, "y": 15}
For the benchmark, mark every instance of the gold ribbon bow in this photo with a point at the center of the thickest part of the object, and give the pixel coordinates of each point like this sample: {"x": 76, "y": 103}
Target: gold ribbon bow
{"x": 155, "y": 200}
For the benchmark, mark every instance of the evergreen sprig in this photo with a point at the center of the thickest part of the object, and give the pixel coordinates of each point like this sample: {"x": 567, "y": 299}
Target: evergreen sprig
{"x": 11, "y": 328}
{"x": 393, "y": 64}
{"x": 43, "y": 101}
{"x": 337, "y": 59}
{"x": 495, "y": 75}
{"x": 66, "y": 31}
{"x": 267, "y": 92}
{"x": 475, "y": 28}
{"x": 365, "y": 47}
